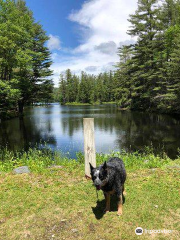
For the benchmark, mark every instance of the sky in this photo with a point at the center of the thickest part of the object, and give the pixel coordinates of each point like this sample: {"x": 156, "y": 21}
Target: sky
{"x": 84, "y": 35}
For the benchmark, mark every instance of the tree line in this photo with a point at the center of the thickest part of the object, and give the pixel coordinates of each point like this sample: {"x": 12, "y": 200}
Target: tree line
{"x": 86, "y": 88}
{"x": 147, "y": 75}
{"x": 149, "y": 71}
{"x": 24, "y": 59}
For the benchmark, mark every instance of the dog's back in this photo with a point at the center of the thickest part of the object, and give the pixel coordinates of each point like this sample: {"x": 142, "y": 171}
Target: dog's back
{"x": 116, "y": 175}
{"x": 117, "y": 168}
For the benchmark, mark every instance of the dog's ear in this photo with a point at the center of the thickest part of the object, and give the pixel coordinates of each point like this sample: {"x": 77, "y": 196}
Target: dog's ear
{"x": 91, "y": 167}
{"x": 105, "y": 166}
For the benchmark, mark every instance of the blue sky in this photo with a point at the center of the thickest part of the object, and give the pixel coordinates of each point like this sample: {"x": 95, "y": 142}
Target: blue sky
{"x": 53, "y": 15}
{"x": 84, "y": 35}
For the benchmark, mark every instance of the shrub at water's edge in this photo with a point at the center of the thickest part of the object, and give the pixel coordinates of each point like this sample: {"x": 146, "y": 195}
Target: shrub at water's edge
{"x": 38, "y": 160}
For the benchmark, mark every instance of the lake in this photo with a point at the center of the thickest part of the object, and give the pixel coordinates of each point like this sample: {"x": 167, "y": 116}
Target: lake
{"x": 61, "y": 128}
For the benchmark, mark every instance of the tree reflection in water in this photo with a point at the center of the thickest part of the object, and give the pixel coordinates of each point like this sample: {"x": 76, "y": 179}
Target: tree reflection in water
{"x": 61, "y": 127}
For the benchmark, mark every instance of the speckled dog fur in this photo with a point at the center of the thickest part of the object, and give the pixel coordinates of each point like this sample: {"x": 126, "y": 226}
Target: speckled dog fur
{"x": 110, "y": 178}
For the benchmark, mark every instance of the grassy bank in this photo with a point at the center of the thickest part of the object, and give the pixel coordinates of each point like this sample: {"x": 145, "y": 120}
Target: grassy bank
{"x": 59, "y": 203}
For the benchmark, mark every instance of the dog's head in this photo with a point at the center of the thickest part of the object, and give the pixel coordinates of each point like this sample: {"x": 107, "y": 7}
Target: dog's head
{"x": 99, "y": 175}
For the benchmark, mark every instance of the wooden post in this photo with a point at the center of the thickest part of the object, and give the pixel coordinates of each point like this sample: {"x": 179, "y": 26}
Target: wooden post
{"x": 89, "y": 145}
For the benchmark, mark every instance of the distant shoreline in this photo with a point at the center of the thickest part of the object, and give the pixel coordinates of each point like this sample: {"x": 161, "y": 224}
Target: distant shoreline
{"x": 87, "y": 104}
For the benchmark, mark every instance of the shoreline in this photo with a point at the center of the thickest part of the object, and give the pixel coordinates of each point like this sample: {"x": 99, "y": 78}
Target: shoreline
{"x": 88, "y": 104}
{"x": 16, "y": 115}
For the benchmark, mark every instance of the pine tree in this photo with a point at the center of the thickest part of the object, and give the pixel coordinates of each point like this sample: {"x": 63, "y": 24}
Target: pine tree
{"x": 169, "y": 14}
{"x": 34, "y": 82}
{"x": 14, "y": 52}
{"x": 24, "y": 59}
{"x": 72, "y": 86}
{"x": 149, "y": 78}
{"x": 124, "y": 84}
{"x": 84, "y": 95}
{"x": 63, "y": 90}
{"x": 145, "y": 26}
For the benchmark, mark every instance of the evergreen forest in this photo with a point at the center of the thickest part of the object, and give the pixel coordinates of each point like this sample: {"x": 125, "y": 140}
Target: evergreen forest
{"x": 147, "y": 76}
{"x": 24, "y": 59}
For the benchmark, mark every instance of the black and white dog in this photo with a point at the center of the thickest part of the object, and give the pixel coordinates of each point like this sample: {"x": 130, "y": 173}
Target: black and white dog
{"x": 110, "y": 178}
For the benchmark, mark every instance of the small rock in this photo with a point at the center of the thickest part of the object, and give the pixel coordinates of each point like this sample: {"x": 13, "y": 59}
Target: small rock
{"x": 53, "y": 236}
{"x": 156, "y": 206}
{"x": 74, "y": 230}
{"x": 20, "y": 170}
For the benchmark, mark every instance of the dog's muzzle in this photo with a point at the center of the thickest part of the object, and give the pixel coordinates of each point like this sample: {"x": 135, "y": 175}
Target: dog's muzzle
{"x": 98, "y": 187}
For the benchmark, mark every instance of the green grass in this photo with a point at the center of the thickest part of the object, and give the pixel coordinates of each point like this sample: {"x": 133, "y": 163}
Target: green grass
{"x": 59, "y": 203}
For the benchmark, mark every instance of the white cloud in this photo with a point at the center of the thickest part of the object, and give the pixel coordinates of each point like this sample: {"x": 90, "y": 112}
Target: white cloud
{"x": 106, "y": 20}
{"x": 103, "y": 26}
{"x": 54, "y": 43}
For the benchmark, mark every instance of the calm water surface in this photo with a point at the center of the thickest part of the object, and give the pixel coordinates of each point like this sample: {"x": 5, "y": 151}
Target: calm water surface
{"x": 61, "y": 127}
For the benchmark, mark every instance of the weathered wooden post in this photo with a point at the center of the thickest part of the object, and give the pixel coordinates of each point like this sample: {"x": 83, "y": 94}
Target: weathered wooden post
{"x": 89, "y": 145}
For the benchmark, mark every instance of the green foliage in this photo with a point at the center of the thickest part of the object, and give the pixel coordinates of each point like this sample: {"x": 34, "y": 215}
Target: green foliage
{"x": 9, "y": 96}
{"x": 148, "y": 71}
{"x": 24, "y": 59}
{"x": 39, "y": 160}
{"x": 86, "y": 89}
{"x": 55, "y": 95}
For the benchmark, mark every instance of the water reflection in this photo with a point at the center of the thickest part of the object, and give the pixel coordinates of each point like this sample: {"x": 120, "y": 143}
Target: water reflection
{"x": 61, "y": 127}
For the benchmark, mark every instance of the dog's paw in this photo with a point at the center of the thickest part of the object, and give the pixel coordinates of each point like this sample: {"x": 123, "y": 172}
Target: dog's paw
{"x": 119, "y": 213}
{"x": 106, "y": 210}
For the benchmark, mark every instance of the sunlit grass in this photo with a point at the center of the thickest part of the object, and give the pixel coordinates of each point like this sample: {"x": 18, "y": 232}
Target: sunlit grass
{"x": 59, "y": 203}
{"x": 38, "y": 160}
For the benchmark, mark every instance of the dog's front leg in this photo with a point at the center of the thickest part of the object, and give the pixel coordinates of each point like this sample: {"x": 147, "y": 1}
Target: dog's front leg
{"x": 107, "y": 198}
{"x": 120, "y": 202}
{"x": 123, "y": 190}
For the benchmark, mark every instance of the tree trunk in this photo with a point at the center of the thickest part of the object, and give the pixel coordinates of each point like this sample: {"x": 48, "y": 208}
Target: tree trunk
{"x": 21, "y": 107}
